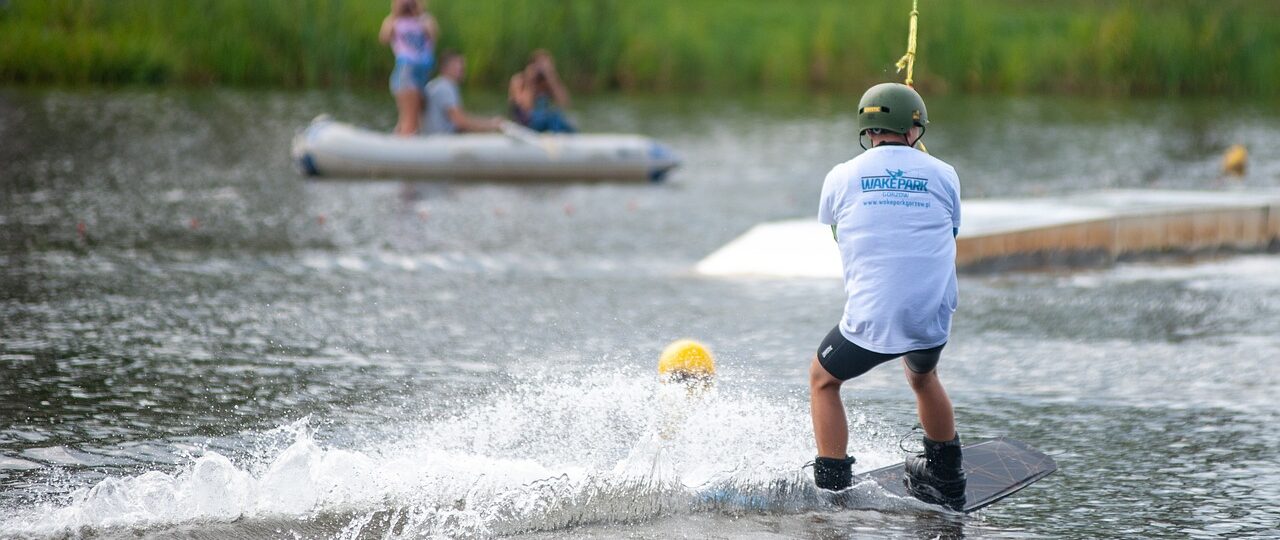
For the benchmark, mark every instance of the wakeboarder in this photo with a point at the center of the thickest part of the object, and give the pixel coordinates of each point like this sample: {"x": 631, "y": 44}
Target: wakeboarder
{"x": 894, "y": 211}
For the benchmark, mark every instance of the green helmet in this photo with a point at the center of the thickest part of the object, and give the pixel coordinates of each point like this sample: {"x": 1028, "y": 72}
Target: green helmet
{"x": 892, "y": 107}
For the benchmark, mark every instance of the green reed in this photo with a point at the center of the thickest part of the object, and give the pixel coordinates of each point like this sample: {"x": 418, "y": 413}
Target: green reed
{"x": 1148, "y": 47}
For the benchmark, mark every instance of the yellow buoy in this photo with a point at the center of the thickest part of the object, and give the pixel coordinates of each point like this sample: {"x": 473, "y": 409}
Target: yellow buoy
{"x": 1235, "y": 160}
{"x": 686, "y": 358}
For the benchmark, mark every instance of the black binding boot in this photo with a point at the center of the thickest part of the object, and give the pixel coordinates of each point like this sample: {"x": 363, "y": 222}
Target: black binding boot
{"x": 937, "y": 475}
{"x": 833, "y": 474}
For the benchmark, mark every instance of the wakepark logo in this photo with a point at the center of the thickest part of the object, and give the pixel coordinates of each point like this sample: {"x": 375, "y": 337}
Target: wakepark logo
{"x": 895, "y": 181}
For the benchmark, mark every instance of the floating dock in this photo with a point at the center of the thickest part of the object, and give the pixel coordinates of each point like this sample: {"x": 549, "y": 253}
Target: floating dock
{"x": 1084, "y": 229}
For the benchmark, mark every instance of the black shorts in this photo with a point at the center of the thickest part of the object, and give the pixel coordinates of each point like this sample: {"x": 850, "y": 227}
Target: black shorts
{"x": 845, "y": 360}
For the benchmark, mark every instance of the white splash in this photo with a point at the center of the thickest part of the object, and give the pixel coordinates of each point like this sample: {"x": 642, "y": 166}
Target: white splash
{"x": 552, "y": 453}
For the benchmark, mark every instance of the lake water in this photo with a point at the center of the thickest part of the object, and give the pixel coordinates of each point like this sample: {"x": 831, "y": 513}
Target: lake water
{"x": 195, "y": 342}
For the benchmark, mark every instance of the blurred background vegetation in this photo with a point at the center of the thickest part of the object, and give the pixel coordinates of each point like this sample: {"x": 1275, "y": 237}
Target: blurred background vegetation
{"x": 1120, "y": 47}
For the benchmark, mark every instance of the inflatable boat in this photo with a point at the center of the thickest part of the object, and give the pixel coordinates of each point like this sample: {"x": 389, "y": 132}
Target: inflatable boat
{"x": 328, "y": 148}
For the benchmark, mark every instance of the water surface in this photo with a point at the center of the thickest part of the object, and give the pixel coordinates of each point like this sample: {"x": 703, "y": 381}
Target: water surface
{"x": 196, "y": 342}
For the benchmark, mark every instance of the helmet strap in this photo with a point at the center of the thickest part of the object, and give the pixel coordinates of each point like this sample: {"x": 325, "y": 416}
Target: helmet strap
{"x": 917, "y": 141}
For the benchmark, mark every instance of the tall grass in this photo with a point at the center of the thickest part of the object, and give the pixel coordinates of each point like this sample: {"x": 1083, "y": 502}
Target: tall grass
{"x": 1153, "y": 47}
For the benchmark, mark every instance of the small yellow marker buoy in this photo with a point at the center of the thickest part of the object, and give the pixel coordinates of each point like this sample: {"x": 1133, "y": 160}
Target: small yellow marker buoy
{"x": 687, "y": 371}
{"x": 1235, "y": 160}
{"x": 686, "y": 359}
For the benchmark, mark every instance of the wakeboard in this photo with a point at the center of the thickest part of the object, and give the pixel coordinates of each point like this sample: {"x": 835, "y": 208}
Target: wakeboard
{"x": 996, "y": 469}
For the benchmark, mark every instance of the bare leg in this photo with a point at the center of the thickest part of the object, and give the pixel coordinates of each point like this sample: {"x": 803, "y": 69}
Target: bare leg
{"x": 409, "y": 104}
{"x": 830, "y": 427}
{"x": 932, "y": 404}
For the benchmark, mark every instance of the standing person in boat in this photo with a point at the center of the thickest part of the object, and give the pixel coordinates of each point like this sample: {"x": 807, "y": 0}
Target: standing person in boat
{"x": 444, "y": 101}
{"x": 412, "y": 34}
{"x": 537, "y": 96}
{"x": 894, "y": 212}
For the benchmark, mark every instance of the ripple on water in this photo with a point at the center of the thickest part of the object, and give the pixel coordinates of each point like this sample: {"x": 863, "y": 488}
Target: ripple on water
{"x": 170, "y": 291}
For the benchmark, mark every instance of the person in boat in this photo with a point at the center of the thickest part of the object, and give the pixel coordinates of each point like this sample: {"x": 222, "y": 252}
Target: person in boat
{"x": 412, "y": 34}
{"x": 537, "y": 96}
{"x": 444, "y": 101}
{"x": 894, "y": 212}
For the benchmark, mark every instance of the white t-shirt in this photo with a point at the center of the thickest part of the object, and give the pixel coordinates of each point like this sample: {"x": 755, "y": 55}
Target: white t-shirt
{"x": 895, "y": 209}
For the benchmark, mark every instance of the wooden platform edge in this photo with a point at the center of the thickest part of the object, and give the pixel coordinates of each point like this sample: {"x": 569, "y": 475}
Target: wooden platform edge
{"x": 1110, "y": 239}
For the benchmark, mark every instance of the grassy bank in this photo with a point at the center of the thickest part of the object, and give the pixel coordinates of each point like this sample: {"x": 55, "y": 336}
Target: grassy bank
{"x": 1150, "y": 47}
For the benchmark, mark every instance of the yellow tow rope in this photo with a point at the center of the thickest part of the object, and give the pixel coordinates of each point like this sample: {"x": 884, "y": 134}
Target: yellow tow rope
{"x": 908, "y": 61}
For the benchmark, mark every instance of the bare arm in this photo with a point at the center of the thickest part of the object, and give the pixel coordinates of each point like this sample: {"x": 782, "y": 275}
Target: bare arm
{"x": 388, "y": 28}
{"x": 518, "y": 92}
{"x": 432, "y": 29}
{"x": 558, "y": 92}
{"x": 469, "y": 124}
